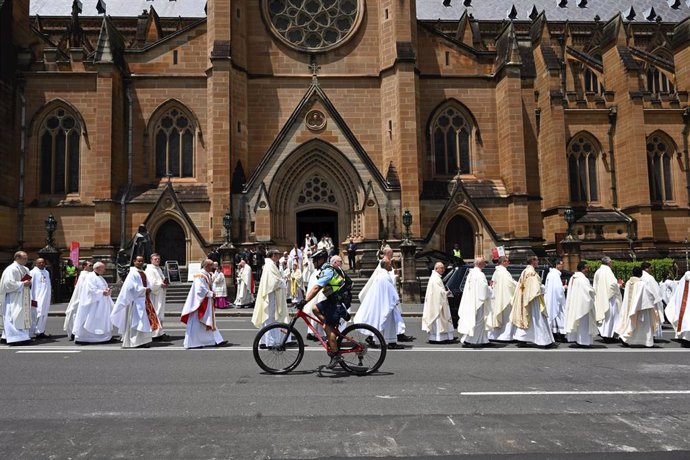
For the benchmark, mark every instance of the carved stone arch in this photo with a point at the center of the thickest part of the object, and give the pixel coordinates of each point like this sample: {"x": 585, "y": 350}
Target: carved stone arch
{"x": 160, "y": 222}
{"x": 151, "y": 124}
{"x": 591, "y": 137}
{"x": 465, "y": 212}
{"x": 48, "y": 107}
{"x": 677, "y": 167}
{"x": 667, "y": 138}
{"x": 315, "y": 158}
{"x": 460, "y": 107}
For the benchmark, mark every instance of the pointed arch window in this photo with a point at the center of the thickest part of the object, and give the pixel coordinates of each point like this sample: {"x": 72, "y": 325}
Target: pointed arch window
{"x": 450, "y": 143}
{"x": 658, "y": 82}
{"x": 174, "y": 144}
{"x": 582, "y": 169}
{"x": 659, "y": 156}
{"x": 59, "y": 153}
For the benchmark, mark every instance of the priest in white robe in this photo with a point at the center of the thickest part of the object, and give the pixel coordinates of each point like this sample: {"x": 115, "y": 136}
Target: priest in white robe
{"x": 15, "y": 301}
{"x": 159, "y": 286}
{"x": 554, "y": 298}
{"x": 245, "y": 285}
{"x": 529, "y": 311}
{"x": 220, "y": 287}
{"x": 677, "y": 310}
{"x": 503, "y": 288}
{"x": 639, "y": 316}
{"x": 475, "y": 306}
{"x": 436, "y": 319}
{"x": 134, "y": 315}
{"x": 199, "y": 312}
{"x": 380, "y": 306}
{"x": 607, "y": 299}
{"x": 40, "y": 297}
{"x": 580, "y": 312}
{"x": 296, "y": 255}
{"x": 92, "y": 323}
{"x": 271, "y": 300}
{"x": 73, "y": 305}
{"x": 653, "y": 286}
{"x": 296, "y": 286}
{"x": 666, "y": 288}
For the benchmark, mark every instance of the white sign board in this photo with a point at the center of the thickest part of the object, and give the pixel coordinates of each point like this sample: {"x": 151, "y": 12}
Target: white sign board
{"x": 192, "y": 270}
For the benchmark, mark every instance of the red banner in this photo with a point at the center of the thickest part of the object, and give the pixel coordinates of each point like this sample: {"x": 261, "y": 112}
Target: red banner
{"x": 74, "y": 252}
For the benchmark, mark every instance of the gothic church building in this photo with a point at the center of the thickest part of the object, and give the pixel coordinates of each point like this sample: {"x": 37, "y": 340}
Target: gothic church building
{"x": 485, "y": 119}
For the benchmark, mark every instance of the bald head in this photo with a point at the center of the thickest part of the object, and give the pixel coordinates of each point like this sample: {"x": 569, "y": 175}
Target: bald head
{"x": 439, "y": 268}
{"x": 99, "y": 267}
{"x": 479, "y": 262}
{"x": 41, "y": 263}
{"x": 21, "y": 257}
{"x": 208, "y": 265}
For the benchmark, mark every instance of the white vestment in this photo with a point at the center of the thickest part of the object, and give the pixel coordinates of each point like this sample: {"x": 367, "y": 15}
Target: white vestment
{"x": 677, "y": 310}
{"x": 15, "y": 304}
{"x": 244, "y": 287}
{"x": 156, "y": 281}
{"x": 199, "y": 313}
{"x": 92, "y": 321}
{"x": 639, "y": 316}
{"x": 295, "y": 255}
{"x": 271, "y": 303}
{"x": 607, "y": 300}
{"x": 380, "y": 309}
{"x": 475, "y": 306}
{"x": 399, "y": 321}
{"x": 653, "y": 286}
{"x": 554, "y": 298}
{"x": 580, "y": 325}
{"x": 129, "y": 314}
{"x": 40, "y": 294}
{"x": 666, "y": 289}
{"x": 73, "y": 305}
{"x": 529, "y": 311}
{"x": 503, "y": 289}
{"x": 436, "y": 318}
{"x": 220, "y": 288}
{"x": 296, "y": 293}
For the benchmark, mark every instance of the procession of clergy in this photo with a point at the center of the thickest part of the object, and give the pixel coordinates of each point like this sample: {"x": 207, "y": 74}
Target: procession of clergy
{"x": 503, "y": 310}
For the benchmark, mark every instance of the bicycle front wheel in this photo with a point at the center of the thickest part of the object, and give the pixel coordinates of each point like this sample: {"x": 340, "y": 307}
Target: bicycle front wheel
{"x": 362, "y": 348}
{"x": 278, "y": 348}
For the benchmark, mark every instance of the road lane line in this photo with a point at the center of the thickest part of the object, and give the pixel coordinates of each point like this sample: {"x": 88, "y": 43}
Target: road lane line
{"x": 575, "y": 392}
{"x": 48, "y": 351}
{"x": 408, "y": 350}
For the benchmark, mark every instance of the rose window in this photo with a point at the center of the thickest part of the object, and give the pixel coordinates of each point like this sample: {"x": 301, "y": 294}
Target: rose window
{"x": 313, "y": 25}
{"x": 316, "y": 190}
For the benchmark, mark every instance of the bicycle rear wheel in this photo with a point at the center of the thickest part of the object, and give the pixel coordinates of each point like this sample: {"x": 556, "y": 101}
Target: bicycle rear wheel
{"x": 275, "y": 351}
{"x": 359, "y": 355}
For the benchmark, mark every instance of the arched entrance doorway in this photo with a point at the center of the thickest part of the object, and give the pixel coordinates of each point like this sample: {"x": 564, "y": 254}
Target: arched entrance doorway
{"x": 318, "y": 221}
{"x": 460, "y": 231}
{"x": 170, "y": 242}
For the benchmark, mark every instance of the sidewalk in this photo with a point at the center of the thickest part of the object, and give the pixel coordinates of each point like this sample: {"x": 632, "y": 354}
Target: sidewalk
{"x": 413, "y": 310}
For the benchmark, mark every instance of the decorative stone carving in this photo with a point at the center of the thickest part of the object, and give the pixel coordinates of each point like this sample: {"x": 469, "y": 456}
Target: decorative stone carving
{"x": 317, "y": 190}
{"x": 315, "y": 120}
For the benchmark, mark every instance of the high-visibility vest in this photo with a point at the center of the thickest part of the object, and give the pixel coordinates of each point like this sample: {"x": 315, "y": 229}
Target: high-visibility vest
{"x": 456, "y": 253}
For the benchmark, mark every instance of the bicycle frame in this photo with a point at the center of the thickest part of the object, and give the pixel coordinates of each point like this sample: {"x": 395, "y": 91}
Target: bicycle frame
{"x": 305, "y": 316}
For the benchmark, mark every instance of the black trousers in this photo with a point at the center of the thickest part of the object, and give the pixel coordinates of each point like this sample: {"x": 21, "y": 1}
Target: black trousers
{"x": 351, "y": 261}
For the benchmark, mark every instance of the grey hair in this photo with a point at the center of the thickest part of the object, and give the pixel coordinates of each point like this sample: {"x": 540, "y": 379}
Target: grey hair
{"x": 98, "y": 265}
{"x": 606, "y": 260}
{"x": 478, "y": 260}
{"x": 273, "y": 252}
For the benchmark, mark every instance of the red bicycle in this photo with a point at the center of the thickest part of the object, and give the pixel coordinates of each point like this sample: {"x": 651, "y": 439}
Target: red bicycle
{"x": 279, "y": 347}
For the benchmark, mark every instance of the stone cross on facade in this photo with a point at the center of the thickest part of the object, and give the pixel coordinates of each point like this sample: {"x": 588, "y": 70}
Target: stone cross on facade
{"x": 314, "y": 67}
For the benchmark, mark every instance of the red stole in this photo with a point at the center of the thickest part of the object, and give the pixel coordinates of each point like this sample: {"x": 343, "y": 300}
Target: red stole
{"x": 204, "y": 305}
{"x": 150, "y": 311}
{"x": 683, "y": 304}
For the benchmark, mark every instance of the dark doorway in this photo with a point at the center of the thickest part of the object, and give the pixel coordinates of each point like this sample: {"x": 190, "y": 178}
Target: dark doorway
{"x": 170, "y": 243}
{"x": 460, "y": 231}
{"x": 318, "y": 221}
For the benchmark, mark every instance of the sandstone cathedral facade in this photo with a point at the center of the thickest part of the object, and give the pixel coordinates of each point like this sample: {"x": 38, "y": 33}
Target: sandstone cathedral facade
{"x": 485, "y": 119}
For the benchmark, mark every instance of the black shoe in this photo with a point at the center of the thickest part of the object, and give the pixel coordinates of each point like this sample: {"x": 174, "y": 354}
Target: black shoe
{"x": 222, "y": 344}
{"x": 146, "y": 345}
{"x": 71, "y": 337}
{"x": 406, "y": 338}
{"x": 262, "y": 346}
{"x": 395, "y": 346}
{"x": 43, "y": 335}
{"x": 335, "y": 360}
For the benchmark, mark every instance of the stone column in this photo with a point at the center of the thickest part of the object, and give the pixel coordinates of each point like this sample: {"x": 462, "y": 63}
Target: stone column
{"x": 410, "y": 292}
{"x": 571, "y": 252}
{"x": 227, "y": 257}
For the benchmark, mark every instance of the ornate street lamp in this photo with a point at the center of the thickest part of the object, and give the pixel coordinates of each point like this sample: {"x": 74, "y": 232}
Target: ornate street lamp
{"x": 227, "y": 224}
{"x": 407, "y": 221}
{"x": 51, "y": 226}
{"x": 569, "y": 216}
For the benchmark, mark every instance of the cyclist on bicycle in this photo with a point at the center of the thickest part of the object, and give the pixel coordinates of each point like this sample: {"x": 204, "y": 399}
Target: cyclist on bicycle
{"x": 335, "y": 285}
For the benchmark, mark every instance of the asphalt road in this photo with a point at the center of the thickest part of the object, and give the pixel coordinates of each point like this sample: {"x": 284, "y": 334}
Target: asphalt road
{"x": 60, "y": 400}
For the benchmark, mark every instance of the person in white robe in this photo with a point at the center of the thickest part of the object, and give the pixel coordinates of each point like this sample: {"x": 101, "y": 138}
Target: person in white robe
{"x": 245, "y": 285}
{"x": 15, "y": 301}
{"x": 159, "y": 287}
{"x": 73, "y": 305}
{"x": 666, "y": 288}
{"x": 607, "y": 299}
{"x": 92, "y": 322}
{"x": 639, "y": 316}
{"x": 199, "y": 313}
{"x": 475, "y": 306}
{"x": 503, "y": 288}
{"x": 380, "y": 306}
{"x": 40, "y": 298}
{"x": 653, "y": 286}
{"x": 529, "y": 311}
{"x": 295, "y": 255}
{"x": 677, "y": 310}
{"x": 271, "y": 300}
{"x": 134, "y": 315}
{"x": 554, "y": 298}
{"x": 296, "y": 286}
{"x": 220, "y": 287}
{"x": 318, "y": 259}
{"x": 436, "y": 319}
{"x": 580, "y": 312}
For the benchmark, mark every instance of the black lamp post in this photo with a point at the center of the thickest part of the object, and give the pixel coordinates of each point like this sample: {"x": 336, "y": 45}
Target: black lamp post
{"x": 227, "y": 224}
{"x": 569, "y": 216}
{"x": 52, "y": 256}
{"x": 407, "y": 221}
{"x": 51, "y": 226}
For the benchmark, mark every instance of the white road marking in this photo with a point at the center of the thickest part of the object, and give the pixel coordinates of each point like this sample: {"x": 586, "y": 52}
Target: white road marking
{"x": 451, "y": 420}
{"x": 48, "y": 351}
{"x": 576, "y": 392}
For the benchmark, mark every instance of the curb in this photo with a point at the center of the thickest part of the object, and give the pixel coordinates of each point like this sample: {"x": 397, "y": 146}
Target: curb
{"x": 227, "y": 314}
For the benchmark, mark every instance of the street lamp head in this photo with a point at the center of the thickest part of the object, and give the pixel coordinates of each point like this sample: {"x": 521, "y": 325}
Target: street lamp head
{"x": 569, "y": 215}
{"x": 51, "y": 224}
{"x": 227, "y": 221}
{"x": 407, "y": 219}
